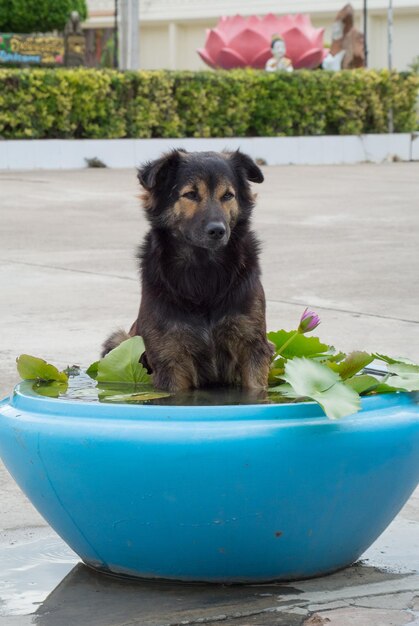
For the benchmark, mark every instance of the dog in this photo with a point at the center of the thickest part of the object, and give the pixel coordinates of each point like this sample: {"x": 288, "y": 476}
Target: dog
{"x": 202, "y": 312}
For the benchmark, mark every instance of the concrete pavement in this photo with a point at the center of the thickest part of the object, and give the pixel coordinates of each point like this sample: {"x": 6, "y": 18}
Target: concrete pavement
{"x": 341, "y": 239}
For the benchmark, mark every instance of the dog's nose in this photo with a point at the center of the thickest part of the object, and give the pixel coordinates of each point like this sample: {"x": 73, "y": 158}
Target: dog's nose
{"x": 215, "y": 230}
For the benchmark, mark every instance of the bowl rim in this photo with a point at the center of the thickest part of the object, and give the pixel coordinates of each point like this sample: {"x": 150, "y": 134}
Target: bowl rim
{"x": 24, "y": 399}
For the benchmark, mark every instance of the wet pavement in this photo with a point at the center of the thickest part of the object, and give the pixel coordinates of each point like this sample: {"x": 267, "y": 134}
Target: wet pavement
{"x": 342, "y": 240}
{"x": 44, "y": 583}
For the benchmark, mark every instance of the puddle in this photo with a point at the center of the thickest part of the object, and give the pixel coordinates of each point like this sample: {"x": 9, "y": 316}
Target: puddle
{"x": 41, "y": 578}
{"x": 31, "y": 567}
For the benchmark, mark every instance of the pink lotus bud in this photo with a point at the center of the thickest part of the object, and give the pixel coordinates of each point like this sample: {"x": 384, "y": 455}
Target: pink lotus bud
{"x": 308, "y": 322}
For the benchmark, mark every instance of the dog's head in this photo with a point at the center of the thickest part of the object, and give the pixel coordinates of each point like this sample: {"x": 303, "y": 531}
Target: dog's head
{"x": 199, "y": 196}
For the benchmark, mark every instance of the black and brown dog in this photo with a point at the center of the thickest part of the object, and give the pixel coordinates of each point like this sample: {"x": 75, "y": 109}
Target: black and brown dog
{"x": 202, "y": 313}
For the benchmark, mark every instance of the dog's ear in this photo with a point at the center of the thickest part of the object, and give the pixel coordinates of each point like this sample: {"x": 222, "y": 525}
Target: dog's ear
{"x": 243, "y": 162}
{"x": 153, "y": 171}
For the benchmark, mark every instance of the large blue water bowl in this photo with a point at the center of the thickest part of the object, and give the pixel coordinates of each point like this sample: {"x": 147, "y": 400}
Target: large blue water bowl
{"x": 213, "y": 493}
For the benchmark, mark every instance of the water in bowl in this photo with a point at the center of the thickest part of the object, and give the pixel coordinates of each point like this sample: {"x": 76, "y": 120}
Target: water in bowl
{"x": 83, "y": 388}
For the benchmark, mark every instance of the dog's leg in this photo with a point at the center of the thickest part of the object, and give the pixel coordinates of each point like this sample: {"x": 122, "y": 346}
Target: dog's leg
{"x": 174, "y": 378}
{"x": 244, "y": 353}
{"x": 173, "y": 368}
{"x": 179, "y": 357}
{"x": 255, "y": 362}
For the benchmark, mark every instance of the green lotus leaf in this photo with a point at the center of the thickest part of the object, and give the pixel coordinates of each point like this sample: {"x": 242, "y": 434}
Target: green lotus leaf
{"x": 385, "y": 388}
{"x": 316, "y": 381}
{"x": 52, "y": 389}
{"x": 352, "y": 364}
{"x": 391, "y": 360}
{"x": 330, "y": 357}
{"x": 276, "y": 370}
{"x": 92, "y": 370}
{"x": 301, "y": 345}
{"x": 363, "y": 383}
{"x": 404, "y": 376}
{"x": 121, "y": 365}
{"x": 139, "y": 396}
{"x": 33, "y": 368}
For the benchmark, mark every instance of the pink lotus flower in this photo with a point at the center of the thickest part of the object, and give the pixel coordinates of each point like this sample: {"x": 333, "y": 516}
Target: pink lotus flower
{"x": 246, "y": 42}
{"x": 308, "y": 322}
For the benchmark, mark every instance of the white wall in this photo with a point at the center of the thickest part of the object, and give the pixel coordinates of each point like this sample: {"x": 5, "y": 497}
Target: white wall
{"x": 191, "y": 37}
{"x": 154, "y": 47}
{"x": 159, "y": 49}
{"x": 174, "y": 47}
{"x": 406, "y": 40}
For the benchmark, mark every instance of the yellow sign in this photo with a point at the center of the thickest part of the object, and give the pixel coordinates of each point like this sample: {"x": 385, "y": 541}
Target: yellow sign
{"x": 31, "y": 49}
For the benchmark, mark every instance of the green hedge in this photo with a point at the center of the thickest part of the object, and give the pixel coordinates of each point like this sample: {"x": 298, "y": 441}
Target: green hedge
{"x": 85, "y": 103}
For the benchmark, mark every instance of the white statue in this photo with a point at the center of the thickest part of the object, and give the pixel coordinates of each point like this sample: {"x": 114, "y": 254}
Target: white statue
{"x": 348, "y": 49}
{"x": 333, "y": 62}
{"x": 278, "y": 62}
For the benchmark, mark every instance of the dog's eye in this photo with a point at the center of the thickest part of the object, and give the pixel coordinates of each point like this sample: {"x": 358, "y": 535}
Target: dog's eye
{"x": 227, "y": 196}
{"x": 191, "y": 195}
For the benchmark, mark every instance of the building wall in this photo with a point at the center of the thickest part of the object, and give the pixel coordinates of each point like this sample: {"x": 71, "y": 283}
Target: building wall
{"x": 406, "y": 40}
{"x": 156, "y": 52}
{"x": 154, "y": 47}
{"x": 169, "y": 38}
{"x": 191, "y": 37}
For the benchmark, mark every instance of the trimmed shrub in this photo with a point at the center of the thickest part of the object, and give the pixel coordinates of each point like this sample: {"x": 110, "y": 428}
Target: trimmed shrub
{"x": 30, "y": 16}
{"x": 86, "y": 103}
{"x": 36, "y": 104}
{"x": 149, "y": 104}
{"x": 215, "y": 104}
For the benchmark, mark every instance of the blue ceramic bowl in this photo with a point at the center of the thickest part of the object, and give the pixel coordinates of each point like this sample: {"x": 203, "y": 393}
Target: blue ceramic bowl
{"x": 213, "y": 493}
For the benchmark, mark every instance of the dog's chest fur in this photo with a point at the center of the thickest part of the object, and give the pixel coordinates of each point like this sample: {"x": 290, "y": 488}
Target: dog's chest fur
{"x": 195, "y": 283}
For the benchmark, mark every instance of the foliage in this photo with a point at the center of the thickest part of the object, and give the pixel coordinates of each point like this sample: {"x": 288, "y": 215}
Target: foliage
{"x": 111, "y": 395}
{"x": 215, "y": 104}
{"x": 148, "y": 101}
{"x": 414, "y": 65}
{"x": 120, "y": 376}
{"x": 351, "y": 365}
{"x": 337, "y": 387}
{"x": 33, "y": 368}
{"x": 301, "y": 368}
{"x": 31, "y": 16}
{"x": 300, "y": 346}
{"x": 121, "y": 365}
{"x": 50, "y": 389}
{"x": 86, "y": 103}
{"x": 41, "y": 103}
{"x": 309, "y": 379}
{"x": 404, "y": 376}
{"x": 107, "y": 58}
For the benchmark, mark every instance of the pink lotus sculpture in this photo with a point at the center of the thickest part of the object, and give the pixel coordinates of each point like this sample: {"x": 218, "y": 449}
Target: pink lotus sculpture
{"x": 246, "y": 42}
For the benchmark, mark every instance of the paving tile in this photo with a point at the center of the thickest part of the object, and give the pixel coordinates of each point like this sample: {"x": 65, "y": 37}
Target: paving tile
{"x": 328, "y": 606}
{"x": 354, "y": 616}
{"x": 264, "y": 619}
{"x": 391, "y": 601}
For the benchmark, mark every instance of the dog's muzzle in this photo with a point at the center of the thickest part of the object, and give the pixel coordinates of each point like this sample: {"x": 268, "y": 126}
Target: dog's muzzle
{"x": 215, "y": 231}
